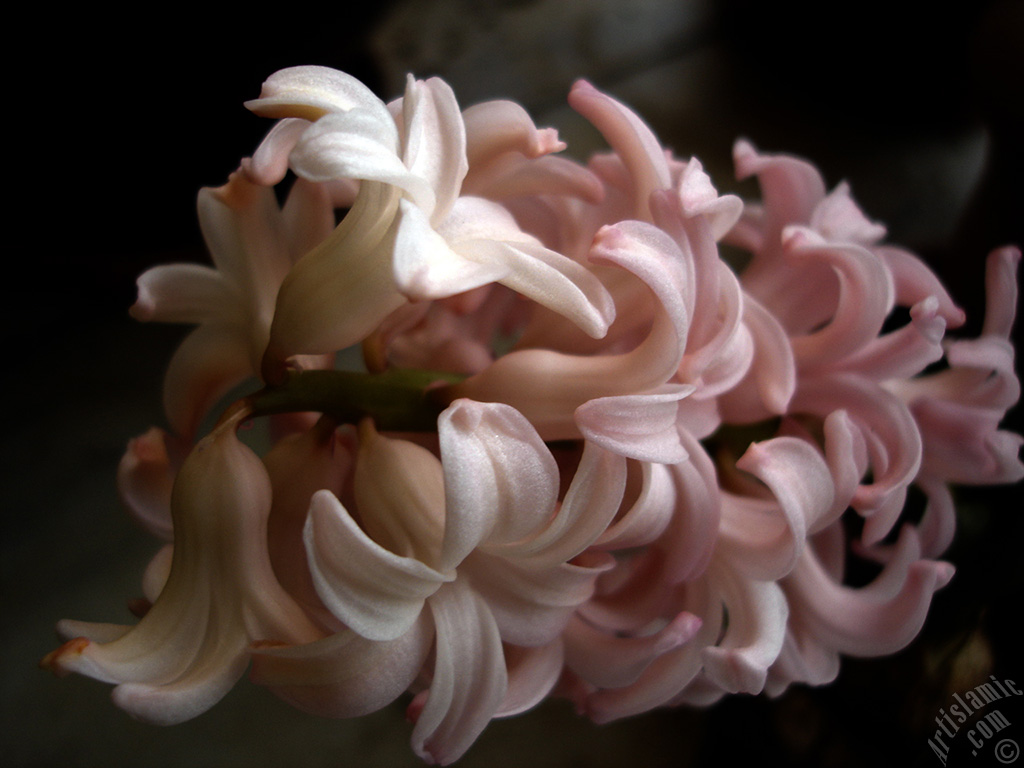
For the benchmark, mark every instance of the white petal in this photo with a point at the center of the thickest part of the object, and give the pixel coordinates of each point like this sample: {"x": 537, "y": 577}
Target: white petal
{"x": 426, "y": 267}
{"x": 377, "y": 593}
{"x": 312, "y": 91}
{"x": 501, "y": 481}
{"x": 470, "y": 679}
{"x": 434, "y": 142}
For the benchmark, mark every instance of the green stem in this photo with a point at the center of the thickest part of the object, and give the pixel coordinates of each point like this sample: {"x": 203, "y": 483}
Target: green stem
{"x": 397, "y": 400}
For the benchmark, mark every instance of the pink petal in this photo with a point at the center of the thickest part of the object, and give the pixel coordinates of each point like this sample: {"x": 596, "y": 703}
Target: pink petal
{"x": 700, "y": 198}
{"x": 864, "y": 300}
{"x": 608, "y": 660}
{"x": 791, "y": 188}
{"x": 896, "y": 440}
{"x": 875, "y": 620}
{"x": 771, "y": 378}
{"x": 550, "y": 279}
{"x": 914, "y": 282}
{"x": 1001, "y": 291}
{"x": 532, "y": 604}
{"x": 764, "y": 539}
{"x": 532, "y": 674}
{"x": 838, "y": 219}
{"x": 641, "y": 427}
{"x": 494, "y": 128}
{"x": 589, "y": 505}
{"x": 669, "y": 674}
{"x": 629, "y": 136}
{"x": 649, "y": 515}
{"x": 425, "y": 265}
{"x": 548, "y": 386}
{"x": 691, "y": 537}
{"x": 903, "y": 353}
{"x": 357, "y": 145}
{"x": 754, "y": 637}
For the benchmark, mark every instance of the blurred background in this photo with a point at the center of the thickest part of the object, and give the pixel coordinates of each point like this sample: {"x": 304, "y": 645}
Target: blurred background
{"x": 112, "y": 134}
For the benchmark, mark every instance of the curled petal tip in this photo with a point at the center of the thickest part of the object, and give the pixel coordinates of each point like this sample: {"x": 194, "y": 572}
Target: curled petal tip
{"x": 582, "y": 86}
{"x": 144, "y": 307}
{"x": 58, "y": 659}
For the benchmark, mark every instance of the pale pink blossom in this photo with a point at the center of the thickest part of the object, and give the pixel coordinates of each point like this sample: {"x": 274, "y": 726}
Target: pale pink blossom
{"x": 636, "y": 492}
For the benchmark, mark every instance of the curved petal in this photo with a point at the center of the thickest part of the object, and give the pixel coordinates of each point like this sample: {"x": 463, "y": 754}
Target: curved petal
{"x": 532, "y": 604}
{"x": 650, "y": 514}
{"x": 754, "y": 636}
{"x": 550, "y": 279}
{"x": 400, "y": 495}
{"x": 763, "y": 539}
{"x": 210, "y": 361}
{"x": 187, "y": 651}
{"x": 145, "y": 477}
{"x": 914, "y": 282}
{"x": 903, "y": 353}
{"x": 497, "y": 127}
{"x": 896, "y": 439}
{"x": 608, "y": 660}
{"x": 426, "y": 266}
{"x": 667, "y": 675}
{"x": 547, "y": 386}
{"x": 864, "y": 299}
{"x": 878, "y": 619}
{"x": 340, "y": 291}
{"x": 589, "y": 505}
{"x": 641, "y": 427}
{"x": 356, "y": 145}
{"x": 532, "y": 673}
{"x": 690, "y": 539}
{"x": 470, "y": 679}
{"x": 311, "y": 92}
{"x": 375, "y": 592}
{"x": 630, "y": 137}
{"x": 791, "y": 188}
{"x": 771, "y": 378}
{"x": 501, "y": 481}
{"x": 344, "y": 675}
{"x": 700, "y": 198}
{"x": 434, "y": 142}
{"x": 269, "y": 163}
{"x": 182, "y": 293}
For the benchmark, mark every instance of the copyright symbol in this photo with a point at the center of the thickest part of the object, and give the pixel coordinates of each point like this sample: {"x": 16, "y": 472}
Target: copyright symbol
{"x": 1007, "y": 751}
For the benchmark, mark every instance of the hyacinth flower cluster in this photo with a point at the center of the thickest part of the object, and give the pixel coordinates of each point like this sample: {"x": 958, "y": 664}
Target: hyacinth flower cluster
{"x": 542, "y": 482}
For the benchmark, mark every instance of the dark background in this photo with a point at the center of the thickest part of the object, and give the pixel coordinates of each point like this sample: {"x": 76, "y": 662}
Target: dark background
{"x": 111, "y": 135}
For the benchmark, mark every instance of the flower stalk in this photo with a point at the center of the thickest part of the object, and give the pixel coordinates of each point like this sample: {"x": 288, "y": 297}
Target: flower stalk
{"x": 397, "y": 400}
